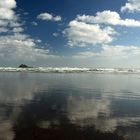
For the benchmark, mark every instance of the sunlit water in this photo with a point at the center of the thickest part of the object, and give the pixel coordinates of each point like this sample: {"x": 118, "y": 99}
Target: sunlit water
{"x": 84, "y": 106}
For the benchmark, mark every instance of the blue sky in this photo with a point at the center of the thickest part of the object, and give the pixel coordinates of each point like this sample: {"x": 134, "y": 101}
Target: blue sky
{"x": 87, "y": 33}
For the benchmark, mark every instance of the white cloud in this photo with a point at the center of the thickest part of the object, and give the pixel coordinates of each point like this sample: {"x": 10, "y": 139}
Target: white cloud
{"x": 6, "y": 10}
{"x": 82, "y": 34}
{"x": 34, "y": 23}
{"x": 38, "y": 41}
{"x": 3, "y": 29}
{"x": 49, "y": 17}
{"x": 14, "y": 24}
{"x": 8, "y": 18}
{"x": 45, "y": 16}
{"x": 17, "y": 46}
{"x": 120, "y": 50}
{"x": 88, "y": 30}
{"x": 3, "y": 23}
{"x": 17, "y": 30}
{"x": 6, "y": 14}
{"x": 20, "y": 47}
{"x": 55, "y": 34}
{"x": 131, "y": 6}
{"x": 111, "y": 51}
{"x": 57, "y": 18}
{"x": 9, "y": 4}
{"x": 108, "y": 17}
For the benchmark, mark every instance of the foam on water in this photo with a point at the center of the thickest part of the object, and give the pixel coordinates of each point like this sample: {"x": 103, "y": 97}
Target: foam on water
{"x": 69, "y": 70}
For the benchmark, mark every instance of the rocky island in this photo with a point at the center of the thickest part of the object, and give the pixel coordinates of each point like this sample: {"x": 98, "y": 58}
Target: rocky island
{"x": 23, "y": 66}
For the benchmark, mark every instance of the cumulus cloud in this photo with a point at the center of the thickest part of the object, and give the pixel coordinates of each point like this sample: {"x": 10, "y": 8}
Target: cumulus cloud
{"x": 49, "y": 17}
{"x": 15, "y": 44}
{"x": 9, "y": 21}
{"x": 131, "y": 6}
{"x": 87, "y": 30}
{"x": 82, "y": 34}
{"x": 108, "y": 17}
{"x": 10, "y": 4}
{"x": 6, "y": 10}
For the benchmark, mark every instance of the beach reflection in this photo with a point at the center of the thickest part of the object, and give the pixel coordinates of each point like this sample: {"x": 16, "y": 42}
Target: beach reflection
{"x": 65, "y": 106}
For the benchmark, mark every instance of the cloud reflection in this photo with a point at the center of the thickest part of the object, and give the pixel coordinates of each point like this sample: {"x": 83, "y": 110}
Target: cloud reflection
{"x": 45, "y": 105}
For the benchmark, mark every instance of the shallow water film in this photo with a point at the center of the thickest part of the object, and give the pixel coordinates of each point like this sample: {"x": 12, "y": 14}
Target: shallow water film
{"x": 69, "y": 106}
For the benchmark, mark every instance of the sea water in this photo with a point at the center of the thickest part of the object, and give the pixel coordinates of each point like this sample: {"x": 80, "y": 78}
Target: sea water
{"x": 69, "y": 106}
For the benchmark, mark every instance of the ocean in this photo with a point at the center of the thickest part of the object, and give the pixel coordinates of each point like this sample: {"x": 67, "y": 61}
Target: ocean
{"x": 69, "y": 104}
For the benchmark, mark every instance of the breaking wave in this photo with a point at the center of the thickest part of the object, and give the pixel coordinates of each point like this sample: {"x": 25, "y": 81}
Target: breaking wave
{"x": 69, "y": 70}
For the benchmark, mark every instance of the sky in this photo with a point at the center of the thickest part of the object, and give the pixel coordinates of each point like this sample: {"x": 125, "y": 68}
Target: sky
{"x": 69, "y": 33}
